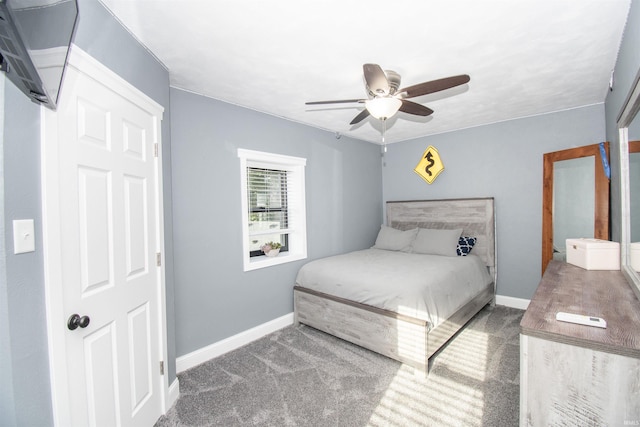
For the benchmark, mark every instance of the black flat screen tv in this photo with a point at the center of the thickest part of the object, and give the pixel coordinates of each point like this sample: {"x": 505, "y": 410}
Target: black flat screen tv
{"x": 35, "y": 37}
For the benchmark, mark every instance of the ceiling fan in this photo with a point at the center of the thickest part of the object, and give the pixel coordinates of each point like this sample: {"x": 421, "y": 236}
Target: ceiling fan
{"x": 385, "y": 99}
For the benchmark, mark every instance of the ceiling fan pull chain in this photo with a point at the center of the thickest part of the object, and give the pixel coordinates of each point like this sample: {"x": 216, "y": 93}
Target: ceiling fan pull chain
{"x": 384, "y": 131}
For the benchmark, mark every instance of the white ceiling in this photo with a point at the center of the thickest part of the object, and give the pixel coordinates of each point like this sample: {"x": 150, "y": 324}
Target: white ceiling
{"x": 524, "y": 57}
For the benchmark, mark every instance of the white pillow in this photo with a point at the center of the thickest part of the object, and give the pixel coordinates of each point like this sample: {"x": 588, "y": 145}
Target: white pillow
{"x": 436, "y": 242}
{"x": 393, "y": 239}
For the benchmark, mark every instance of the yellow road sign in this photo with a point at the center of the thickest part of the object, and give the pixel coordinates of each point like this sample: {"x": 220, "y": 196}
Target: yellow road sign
{"x": 430, "y": 165}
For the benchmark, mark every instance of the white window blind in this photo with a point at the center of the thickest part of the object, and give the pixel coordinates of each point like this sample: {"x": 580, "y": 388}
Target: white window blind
{"x": 268, "y": 196}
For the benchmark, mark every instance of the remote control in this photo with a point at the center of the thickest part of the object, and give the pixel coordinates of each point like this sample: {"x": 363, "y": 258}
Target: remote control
{"x": 581, "y": 320}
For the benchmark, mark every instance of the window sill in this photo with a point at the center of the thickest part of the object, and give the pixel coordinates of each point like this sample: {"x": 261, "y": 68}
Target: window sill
{"x": 256, "y": 263}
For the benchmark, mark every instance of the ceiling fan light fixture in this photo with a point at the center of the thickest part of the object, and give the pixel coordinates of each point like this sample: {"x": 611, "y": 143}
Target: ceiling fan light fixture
{"x": 386, "y": 97}
{"x": 383, "y": 108}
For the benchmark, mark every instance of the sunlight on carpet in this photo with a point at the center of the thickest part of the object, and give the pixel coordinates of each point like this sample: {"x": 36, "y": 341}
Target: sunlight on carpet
{"x": 412, "y": 400}
{"x": 468, "y": 355}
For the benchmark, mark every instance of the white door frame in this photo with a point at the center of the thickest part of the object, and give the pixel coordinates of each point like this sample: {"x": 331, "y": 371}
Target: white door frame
{"x": 56, "y": 316}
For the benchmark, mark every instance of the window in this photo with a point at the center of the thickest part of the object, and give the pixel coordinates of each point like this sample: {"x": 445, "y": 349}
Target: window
{"x": 267, "y": 200}
{"x": 273, "y": 207}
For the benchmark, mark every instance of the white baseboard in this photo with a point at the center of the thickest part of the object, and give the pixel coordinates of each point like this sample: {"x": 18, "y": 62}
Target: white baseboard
{"x": 173, "y": 395}
{"x": 226, "y": 345}
{"x": 512, "y": 302}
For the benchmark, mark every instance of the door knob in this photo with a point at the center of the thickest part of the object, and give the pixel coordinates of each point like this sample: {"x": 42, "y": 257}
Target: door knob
{"x": 75, "y": 320}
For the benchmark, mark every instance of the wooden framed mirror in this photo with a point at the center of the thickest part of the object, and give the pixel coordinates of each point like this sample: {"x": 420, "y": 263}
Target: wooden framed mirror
{"x": 629, "y": 127}
{"x": 584, "y": 179}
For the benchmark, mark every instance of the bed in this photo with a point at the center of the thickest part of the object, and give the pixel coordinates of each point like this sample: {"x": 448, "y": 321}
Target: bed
{"x": 328, "y": 297}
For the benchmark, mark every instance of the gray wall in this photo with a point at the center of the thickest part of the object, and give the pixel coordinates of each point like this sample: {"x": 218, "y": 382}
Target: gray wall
{"x": 626, "y": 69}
{"x": 25, "y": 363}
{"x": 7, "y": 408}
{"x": 502, "y": 160}
{"x": 25, "y": 392}
{"x": 215, "y": 299}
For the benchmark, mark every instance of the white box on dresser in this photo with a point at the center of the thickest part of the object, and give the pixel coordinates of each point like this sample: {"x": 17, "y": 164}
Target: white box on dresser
{"x": 593, "y": 254}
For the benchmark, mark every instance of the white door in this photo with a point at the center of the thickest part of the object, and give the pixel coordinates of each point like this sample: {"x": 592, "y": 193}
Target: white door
{"x": 102, "y": 235}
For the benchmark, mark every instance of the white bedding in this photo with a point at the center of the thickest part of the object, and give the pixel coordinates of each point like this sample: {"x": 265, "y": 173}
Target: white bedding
{"x": 428, "y": 287}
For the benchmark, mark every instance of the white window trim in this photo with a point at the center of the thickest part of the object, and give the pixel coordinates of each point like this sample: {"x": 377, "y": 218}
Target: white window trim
{"x": 298, "y": 237}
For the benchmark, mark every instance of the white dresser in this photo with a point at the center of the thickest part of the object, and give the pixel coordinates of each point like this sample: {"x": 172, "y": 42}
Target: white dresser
{"x": 575, "y": 375}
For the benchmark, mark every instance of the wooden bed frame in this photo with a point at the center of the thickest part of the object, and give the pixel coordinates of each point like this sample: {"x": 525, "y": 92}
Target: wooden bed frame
{"x": 409, "y": 340}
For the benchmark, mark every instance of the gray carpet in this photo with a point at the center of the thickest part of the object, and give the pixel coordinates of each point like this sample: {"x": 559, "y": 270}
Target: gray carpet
{"x": 299, "y": 376}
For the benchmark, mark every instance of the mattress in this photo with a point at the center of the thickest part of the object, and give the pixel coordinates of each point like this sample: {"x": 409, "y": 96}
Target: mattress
{"x": 427, "y": 287}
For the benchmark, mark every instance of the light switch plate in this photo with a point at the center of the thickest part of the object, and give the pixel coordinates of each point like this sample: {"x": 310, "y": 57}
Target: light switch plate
{"x": 23, "y": 236}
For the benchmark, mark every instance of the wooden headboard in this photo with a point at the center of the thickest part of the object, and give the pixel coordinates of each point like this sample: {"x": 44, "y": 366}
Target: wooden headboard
{"x": 475, "y": 216}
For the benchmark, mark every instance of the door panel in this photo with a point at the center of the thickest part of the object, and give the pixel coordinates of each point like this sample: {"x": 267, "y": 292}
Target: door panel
{"x": 93, "y": 123}
{"x": 94, "y": 201}
{"x": 101, "y": 366}
{"x": 134, "y": 138}
{"x": 135, "y": 212}
{"x": 141, "y": 381}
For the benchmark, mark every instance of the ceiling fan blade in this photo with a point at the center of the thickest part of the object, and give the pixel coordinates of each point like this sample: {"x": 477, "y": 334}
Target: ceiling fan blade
{"x": 376, "y": 79}
{"x": 341, "y": 101}
{"x": 435, "y": 86}
{"x": 415, "y": 108}
{"x": 360, "y": 117}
